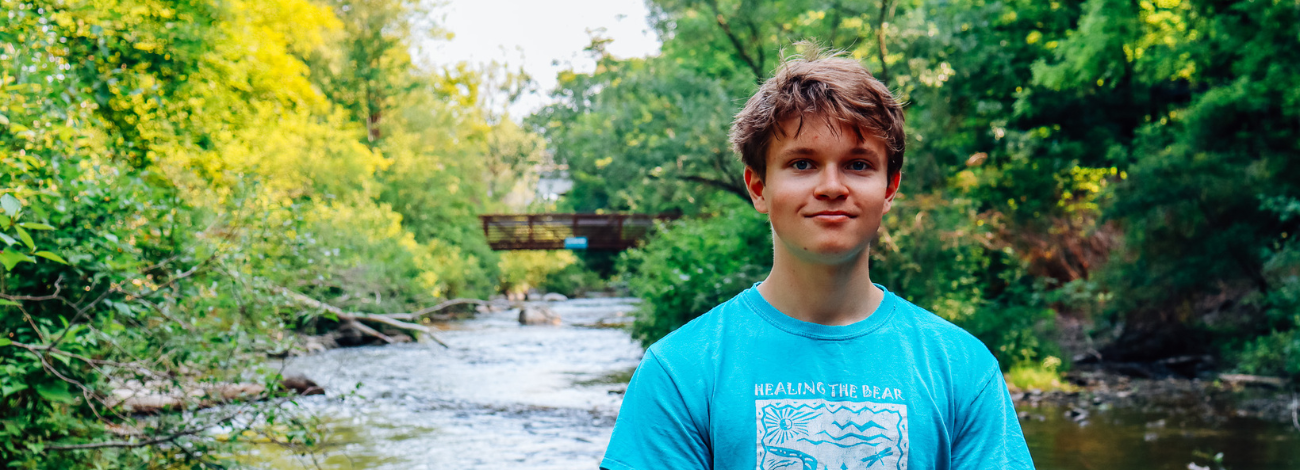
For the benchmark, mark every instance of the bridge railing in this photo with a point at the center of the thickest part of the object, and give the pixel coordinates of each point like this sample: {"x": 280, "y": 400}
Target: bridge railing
{"x": 549, "y": 231}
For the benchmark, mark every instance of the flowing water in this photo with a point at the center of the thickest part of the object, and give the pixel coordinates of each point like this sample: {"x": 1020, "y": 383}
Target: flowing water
{"x": 502, "y": 396}
{"x": 506, "y": 396}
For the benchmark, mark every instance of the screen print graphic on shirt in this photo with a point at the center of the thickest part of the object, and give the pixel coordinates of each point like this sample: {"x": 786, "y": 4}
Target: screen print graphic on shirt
{"x": 848, "y": 431}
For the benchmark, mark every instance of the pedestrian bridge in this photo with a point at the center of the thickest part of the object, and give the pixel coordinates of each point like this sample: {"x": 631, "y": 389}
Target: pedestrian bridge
{"x": 610, "y": 232}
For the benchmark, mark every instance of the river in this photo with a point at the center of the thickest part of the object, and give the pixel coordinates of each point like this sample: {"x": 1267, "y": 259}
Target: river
{"x": 506, "y": 396}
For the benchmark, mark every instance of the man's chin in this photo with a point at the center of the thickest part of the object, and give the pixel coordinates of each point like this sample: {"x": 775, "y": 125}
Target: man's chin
{"x": 831, "y": 253}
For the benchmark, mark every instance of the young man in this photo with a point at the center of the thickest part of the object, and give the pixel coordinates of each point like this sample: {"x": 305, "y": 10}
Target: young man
{"x": 816, "y": 367}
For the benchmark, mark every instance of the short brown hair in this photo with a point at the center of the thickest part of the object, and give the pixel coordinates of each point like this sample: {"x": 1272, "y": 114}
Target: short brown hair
{"x": 818, "y": 83}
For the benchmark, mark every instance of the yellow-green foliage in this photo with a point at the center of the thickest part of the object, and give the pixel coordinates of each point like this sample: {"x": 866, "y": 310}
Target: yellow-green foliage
{"x": 523, "y": 270}
{"x": 189, "y": 160}
{"x": 1041, "y": 376}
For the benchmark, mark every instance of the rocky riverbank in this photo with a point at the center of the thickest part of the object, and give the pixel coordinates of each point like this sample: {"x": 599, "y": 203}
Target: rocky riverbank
{"x": 1222, "y": 397}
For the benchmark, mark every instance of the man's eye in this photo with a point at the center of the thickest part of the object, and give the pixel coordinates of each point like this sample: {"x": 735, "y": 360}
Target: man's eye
{"x": 802, "y": 165}
{"x": 859, "y": 166}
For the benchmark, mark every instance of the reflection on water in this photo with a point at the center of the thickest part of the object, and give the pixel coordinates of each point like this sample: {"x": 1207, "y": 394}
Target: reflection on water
{"x": 545, "y": 397}
{"x": 1124, "y": 438}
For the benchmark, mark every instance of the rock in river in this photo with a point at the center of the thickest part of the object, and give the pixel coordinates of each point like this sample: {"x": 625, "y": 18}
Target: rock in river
{"x": 538, "y": 316}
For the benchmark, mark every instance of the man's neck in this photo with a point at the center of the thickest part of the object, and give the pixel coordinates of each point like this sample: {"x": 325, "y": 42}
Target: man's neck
{"x": 828, "y": 294}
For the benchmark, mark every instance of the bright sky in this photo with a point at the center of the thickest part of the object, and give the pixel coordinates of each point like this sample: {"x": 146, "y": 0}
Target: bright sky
{"x": 544, "y": 36}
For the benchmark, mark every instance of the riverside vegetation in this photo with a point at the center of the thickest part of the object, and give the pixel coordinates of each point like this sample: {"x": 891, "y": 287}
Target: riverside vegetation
{"x": 176, "y": 176}
{"x": 1085, "y": 180}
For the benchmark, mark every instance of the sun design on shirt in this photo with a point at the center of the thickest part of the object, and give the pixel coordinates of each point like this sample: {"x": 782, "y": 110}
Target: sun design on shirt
{"x": 784, "y": 424}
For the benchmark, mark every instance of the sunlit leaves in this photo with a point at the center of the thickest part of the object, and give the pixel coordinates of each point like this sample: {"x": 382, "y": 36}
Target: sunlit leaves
{"x": 10, "y": 258}
{"x": 51, "y": 256}
{"x": 149, "y": 140}
{"x": 11, "y": 205}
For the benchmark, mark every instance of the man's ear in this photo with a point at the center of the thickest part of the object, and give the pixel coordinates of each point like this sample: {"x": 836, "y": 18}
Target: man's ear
{"x": 892, "y": 190}
{"x": 755, "y": 185}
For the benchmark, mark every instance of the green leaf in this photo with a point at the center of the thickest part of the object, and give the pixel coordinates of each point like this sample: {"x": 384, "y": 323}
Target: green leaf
{"x": 7, "y": 302}
{"x": 9, "y": 241}
{"x": 4, "y": 121}
{"x": 11, "y": 389}
{"x": 4, "y": 220}
{"x": 35, "y": 226}
{"x": 5, "y": 341}
{"x": 55, "y": 391}
{"x": 111, "y": 237}
{"x": 11, "y": 258}
{"x": 27, "y": 238}
{"x": 10, "y": 204}
{"x": 50, "y": 256}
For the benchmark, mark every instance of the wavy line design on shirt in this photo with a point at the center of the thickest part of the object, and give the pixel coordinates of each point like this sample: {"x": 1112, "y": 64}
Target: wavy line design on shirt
{"x": 817, "y": 434}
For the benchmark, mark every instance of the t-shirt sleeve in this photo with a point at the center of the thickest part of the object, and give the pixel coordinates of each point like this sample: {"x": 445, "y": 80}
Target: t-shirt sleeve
{"x": 656, "y": 428}
{"x": 988, "y": 434}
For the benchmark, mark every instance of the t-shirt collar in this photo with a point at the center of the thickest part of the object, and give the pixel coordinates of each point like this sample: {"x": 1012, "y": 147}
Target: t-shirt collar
{"x": 789, "y": 324}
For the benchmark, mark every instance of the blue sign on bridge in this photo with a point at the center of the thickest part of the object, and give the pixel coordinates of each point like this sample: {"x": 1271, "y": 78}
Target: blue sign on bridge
{"x": 575, "y": 243}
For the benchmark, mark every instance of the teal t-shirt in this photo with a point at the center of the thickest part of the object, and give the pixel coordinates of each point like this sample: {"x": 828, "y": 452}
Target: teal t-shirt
{"x": 748, "y": 387}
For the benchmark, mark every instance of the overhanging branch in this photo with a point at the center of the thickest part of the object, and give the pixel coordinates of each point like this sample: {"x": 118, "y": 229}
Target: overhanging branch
{"x": 735, "y": 41}
{"x": 727, "y": 186}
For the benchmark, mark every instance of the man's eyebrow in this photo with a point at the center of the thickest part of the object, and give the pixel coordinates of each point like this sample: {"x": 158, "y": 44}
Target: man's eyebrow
{"x": 864, "y": 151}
{"x": 799, "y": 151}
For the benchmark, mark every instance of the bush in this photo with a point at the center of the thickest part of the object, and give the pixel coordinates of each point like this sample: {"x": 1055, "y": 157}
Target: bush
{"x": 1041, "y": 376}
{"x": 693, "y": 265}
{"x": 573, "y": 280}
{"x": 1275, "y": 348}
{"x": 934, "y": 251}
{"x": 523, "y": 270}
{"x": 1276, "y": 354}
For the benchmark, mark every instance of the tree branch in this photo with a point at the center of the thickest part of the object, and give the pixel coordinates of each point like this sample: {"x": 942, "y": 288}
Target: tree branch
{"x": 727, "y": 186}
{"x": 147, "y": 442}
{"x": 880, "y": 39}
{"x": 735, "y": 42}
{"x": 40, "y": 298}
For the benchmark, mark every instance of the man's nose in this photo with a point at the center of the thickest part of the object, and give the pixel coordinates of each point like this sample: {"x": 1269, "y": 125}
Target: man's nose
{"x": 831, "y": 184}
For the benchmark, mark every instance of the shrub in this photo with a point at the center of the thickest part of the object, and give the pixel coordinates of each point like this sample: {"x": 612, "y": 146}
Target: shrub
{"x": 524, "y": 270}
{"x": 693, "y": 265}
{"x": 573, "y": 280}
{"x": 1041, "y": 376}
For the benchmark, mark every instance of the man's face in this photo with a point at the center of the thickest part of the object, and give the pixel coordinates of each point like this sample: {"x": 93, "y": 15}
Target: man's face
{"x": 825, "y": 191}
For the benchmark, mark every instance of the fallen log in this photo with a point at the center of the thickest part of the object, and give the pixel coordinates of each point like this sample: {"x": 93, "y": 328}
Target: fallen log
{"x": 156, "y": 396}
{"x": 392, "y": 319}
{"x": 413, "y": 316}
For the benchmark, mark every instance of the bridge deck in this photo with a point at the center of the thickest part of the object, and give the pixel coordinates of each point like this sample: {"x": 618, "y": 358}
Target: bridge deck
{"x": 548, "y": 231}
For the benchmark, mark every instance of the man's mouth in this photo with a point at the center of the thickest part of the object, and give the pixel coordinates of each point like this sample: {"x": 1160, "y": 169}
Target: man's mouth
{"x": 832, "y": 215}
